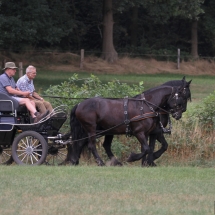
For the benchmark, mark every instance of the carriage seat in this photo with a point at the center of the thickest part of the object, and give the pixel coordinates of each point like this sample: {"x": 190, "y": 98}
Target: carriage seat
{"x": 8, "y": 105}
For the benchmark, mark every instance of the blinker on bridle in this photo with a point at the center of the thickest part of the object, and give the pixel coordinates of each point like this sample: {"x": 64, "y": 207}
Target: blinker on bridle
{"x": 176, "y": 97}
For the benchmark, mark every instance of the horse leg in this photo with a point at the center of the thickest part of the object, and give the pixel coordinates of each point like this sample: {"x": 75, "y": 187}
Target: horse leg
{"x": 163, "y": 148}
{"x": 144, "y": 148}
{"x": 149, "y": 160}
{"x": 74, "y": 152}
{"x": 107, "y": 147}
{"x": 92, "y": 148}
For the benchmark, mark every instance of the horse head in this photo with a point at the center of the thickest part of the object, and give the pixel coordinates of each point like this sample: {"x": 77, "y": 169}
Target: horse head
{"x": 185, "y": 93}
{"x": 177, "y": 102}
{"x": 184, "y": 90}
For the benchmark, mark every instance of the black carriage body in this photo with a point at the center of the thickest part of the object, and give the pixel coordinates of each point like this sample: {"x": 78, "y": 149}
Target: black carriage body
{"x": 15, "y": 125}
{"x": 15, "y": 117}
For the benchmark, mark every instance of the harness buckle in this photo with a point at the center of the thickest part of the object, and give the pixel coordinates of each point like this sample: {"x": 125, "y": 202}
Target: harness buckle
{"x": 126, "y": 121}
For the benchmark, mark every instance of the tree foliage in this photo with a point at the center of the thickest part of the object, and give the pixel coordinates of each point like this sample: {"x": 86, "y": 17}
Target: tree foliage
{"x": 140, "y": 26}
{"x": 33, "y": 23}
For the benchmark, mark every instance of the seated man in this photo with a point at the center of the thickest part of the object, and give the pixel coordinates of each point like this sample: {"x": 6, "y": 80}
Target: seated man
{"x": 25, "y": 83}
{"x": 8, "y": 87}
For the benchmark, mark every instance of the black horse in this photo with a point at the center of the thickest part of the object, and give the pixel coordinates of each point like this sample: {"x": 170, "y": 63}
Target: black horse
{"x": 158, "y": 132}
{"x": 137, "y": 116}
{"x": 155, "y": 134}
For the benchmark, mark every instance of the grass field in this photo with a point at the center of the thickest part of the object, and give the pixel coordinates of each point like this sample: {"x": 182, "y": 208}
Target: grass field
{"x": 89, "y": 190}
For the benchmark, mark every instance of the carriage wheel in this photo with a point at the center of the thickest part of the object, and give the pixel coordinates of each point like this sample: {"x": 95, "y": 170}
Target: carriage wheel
{"x": 29, "y": 148}
{"x": 5, "y": 155}
{"x": 56, "y": 155}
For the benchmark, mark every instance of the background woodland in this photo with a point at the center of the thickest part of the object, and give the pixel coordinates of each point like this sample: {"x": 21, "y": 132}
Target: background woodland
{"x": 109, "y": 28}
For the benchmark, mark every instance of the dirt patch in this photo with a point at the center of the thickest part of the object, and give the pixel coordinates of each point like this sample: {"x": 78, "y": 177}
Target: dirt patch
{"x": 71, "y": 62}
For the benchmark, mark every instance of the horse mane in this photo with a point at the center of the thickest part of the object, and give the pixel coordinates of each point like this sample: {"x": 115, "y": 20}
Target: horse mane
{"x": 173, "y": 83}
{"x": 151, "y": 89}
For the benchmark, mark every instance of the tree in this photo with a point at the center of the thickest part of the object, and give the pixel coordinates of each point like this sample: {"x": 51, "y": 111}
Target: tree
{"x": 30, "y": 23}
{"x": 189, "y": 9}
{"x": 108, "y": 51}
{"x": 206, "y": 27}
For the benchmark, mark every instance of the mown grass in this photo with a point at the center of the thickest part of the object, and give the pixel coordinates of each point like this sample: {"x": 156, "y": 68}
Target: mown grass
{"x": 94, "y": 190}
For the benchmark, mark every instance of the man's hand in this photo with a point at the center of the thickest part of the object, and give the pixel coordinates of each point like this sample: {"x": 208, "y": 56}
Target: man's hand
{"x": 26, "y": 94}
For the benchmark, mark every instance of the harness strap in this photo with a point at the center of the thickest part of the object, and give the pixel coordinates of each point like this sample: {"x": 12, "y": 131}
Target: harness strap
{"x": 125, "y": 105}
{"x": 142, "y": 101}
{"x": 166, "y": 130}
{"x": 144, "y": 116}
{"x": 126, "y": 120}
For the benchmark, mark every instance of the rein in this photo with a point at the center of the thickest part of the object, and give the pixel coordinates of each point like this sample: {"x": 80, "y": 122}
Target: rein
{"x": 134, "y": 119}
{"x": 143, "y": 99}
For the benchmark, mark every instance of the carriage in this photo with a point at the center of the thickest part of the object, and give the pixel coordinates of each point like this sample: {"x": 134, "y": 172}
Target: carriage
{"x": 29, "y": 143}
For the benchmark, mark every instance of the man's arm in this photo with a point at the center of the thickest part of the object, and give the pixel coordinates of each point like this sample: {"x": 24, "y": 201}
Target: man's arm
{"x": 37, "y": 96}
{"x": 17, "y": 92}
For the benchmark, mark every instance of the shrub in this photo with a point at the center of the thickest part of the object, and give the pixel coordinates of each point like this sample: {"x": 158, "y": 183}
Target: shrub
{"x": 75, "y": 90}
{"x": 204, "y": 113}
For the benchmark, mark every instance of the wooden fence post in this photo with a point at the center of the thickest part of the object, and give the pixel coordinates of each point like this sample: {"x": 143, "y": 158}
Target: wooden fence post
{"x": 178, "y": 61}
{"x": 20, "y": 69}
{"x": 3, "y": 65}
{"x": 82, "y": 59}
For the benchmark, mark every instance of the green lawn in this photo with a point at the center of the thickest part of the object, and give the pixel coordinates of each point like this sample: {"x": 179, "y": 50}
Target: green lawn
{"x": 89, "y": 190}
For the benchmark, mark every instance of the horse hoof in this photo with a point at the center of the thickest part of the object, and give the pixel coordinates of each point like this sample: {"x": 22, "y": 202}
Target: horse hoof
{"x": 74, "y": 163}
{"x": 118, "y": 164}
{"x": 145, "y": 164}
{"x": 148, "y": 164}
{"x": 152, "y": 164}
{"x": 100, "y": 163}
{"x": 115, "y": 162}
{"x": 131, "y": 157}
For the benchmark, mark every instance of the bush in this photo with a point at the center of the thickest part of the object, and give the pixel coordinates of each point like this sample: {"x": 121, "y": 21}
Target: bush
{"x": 204, "y": 113}
{"x": 74, "y": 90}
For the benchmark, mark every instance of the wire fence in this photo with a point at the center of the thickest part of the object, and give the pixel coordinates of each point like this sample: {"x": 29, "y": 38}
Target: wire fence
{"x": 178, "y": 57}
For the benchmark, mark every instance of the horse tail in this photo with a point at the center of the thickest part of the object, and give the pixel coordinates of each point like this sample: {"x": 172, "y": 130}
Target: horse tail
{"x": 77, "y": 130}
{"x": 79, "y": 137}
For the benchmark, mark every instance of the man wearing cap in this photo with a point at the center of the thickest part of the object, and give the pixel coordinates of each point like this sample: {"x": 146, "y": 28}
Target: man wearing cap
{"x": 8, "y": 87}
{"x": 25, "y": 83}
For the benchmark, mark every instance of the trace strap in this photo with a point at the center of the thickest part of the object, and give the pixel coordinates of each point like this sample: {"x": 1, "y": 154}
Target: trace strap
{"x": 136, "y": 118}
{"x": 126, "y": 120}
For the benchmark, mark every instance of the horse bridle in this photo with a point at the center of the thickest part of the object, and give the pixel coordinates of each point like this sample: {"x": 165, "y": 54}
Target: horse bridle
{"x": 176, "y": 107}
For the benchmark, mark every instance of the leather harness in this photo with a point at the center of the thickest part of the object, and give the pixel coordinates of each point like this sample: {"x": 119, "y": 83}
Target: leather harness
{"x": 142, "y": 116}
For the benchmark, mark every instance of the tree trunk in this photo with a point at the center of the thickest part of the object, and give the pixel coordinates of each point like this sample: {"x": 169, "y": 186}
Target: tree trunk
{"x": 108, "y": 51}
{"x": 194, "y": 39}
